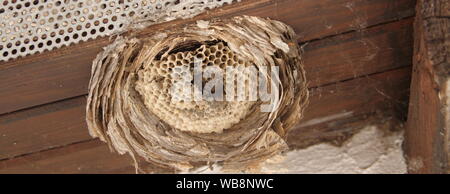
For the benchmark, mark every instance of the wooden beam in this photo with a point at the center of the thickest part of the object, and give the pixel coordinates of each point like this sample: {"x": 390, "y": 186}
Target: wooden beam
{"x": 64, "y": 73}
{"x": 427, "y": 142}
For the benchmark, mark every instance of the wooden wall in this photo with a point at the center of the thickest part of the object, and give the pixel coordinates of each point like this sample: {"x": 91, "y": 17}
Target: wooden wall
{"x": 358, "y": 56}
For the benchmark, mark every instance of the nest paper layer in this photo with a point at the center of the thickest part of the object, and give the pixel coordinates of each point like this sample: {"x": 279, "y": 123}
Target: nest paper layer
{"x": 129, "y": 104}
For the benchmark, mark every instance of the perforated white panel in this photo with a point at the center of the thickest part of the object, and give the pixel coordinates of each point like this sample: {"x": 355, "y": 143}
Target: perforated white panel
{"x": 33, "y": 26}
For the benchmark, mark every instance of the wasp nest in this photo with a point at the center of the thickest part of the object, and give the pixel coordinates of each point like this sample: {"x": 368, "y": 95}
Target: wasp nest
{"x": 194, "y": 95}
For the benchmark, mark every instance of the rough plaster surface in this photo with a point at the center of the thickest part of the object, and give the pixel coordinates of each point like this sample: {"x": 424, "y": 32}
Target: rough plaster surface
{"x": 371, "y": 151}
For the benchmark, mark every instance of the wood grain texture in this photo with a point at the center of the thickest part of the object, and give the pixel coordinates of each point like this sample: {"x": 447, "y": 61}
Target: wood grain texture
{"x": 362, "y": 96}
{"x": 427, "y": 141}
{"x": 340, "y": 109}
{"x": 64, "y": 73}
{"x": 87, "y": 157}
{"x": 43, "y": 127}
{"x": 356, "y": 54}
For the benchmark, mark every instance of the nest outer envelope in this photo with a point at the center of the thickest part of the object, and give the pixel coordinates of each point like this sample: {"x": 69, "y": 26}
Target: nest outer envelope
{"x": 116, "y": 112}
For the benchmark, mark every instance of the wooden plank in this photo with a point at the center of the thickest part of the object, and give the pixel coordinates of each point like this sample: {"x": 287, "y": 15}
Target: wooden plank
{"x": 382, "y": 91}
{"x": 64, "y": 73}
{"x": 45, "y": 80}
{"x": 339, "y": 110}
{"x": 375, "y": 93}
{"x": 360, "y": 53}
{"x": 87, "y": 157}
{"x": 317, "y": 19}
{"x": 427, "y": 141}
{"x": 370, "y": 51}
{"x": 43, "y": 127}
{"x": 342, "y": 54}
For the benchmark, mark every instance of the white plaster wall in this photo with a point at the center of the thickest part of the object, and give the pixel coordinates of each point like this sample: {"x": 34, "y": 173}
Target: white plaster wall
{"x": 370, "y": 151}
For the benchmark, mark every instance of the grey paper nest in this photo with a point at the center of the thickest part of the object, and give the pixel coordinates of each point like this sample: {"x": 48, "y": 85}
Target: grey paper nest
{"x": 129, "y": 104}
